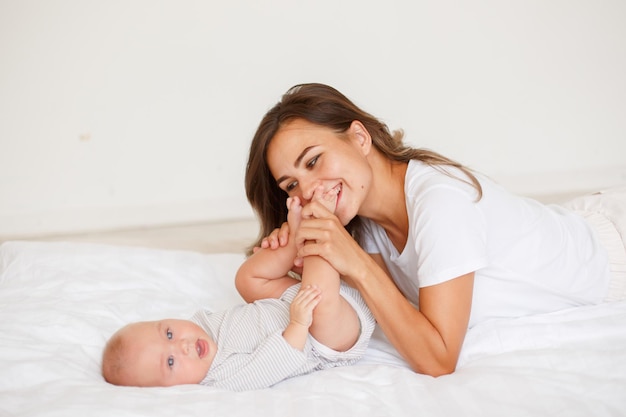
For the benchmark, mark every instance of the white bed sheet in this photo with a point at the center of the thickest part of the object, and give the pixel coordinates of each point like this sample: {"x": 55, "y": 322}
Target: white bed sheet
{"x": 59, "y": 302}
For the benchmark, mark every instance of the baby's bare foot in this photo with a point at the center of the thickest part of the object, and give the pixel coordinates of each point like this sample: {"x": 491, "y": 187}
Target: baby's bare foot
{"x": 294, "y": 214}
{"x": 327, "y": 198}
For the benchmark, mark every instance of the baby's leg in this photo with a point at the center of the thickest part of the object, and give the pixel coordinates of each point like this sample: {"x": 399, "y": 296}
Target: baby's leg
{"x": 335, "y": 323}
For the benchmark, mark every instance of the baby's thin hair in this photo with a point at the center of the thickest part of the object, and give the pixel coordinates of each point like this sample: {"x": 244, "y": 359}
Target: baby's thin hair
{"x": 113, "y": 359}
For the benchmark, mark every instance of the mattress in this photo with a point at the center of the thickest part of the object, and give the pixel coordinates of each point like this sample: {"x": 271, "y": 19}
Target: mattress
{"x": 60, "y": 301}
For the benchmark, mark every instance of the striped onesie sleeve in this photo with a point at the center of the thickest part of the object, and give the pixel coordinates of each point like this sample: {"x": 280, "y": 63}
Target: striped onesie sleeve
{"x": 252, "y": 353}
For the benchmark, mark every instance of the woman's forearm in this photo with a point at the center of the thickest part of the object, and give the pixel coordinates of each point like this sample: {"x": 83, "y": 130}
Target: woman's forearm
{"x": 427, "y": 349}
{"x": 429, "y": 338}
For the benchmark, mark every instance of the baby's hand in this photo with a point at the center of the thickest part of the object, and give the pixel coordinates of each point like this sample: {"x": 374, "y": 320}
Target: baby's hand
{"x": 278, "y": 238}
{"x": 303, "y": 304}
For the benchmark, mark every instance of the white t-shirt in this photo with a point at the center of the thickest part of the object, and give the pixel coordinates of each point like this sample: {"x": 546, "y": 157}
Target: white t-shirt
{"x": 527, "y": 257}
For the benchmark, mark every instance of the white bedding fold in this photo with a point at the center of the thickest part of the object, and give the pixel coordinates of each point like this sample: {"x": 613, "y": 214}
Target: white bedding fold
{"x": 59, "y": 302}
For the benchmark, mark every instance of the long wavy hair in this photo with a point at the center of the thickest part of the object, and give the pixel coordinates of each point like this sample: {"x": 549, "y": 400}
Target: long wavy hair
{"x": 325, "y": 106}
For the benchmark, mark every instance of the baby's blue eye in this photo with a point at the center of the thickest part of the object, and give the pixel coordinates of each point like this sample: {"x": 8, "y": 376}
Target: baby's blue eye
{"x": 170, "y": 361}
{"x": 169, "y": 334}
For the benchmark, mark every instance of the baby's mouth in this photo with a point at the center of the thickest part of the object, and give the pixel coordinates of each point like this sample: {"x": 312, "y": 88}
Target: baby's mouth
{"x": 202, "y": 347}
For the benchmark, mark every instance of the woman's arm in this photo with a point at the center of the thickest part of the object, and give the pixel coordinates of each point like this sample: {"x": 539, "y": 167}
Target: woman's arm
{"x": 429, "y": 338}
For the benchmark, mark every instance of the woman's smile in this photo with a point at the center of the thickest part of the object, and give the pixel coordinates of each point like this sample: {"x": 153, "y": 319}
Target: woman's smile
{"x": 303, "y": 156}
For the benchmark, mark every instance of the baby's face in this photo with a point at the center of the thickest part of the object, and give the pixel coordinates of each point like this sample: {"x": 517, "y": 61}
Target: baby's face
{"x": 168, "y": 352}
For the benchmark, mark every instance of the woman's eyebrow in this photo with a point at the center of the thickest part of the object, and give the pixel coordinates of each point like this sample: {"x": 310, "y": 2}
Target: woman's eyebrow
{"x": 297, "y": 162}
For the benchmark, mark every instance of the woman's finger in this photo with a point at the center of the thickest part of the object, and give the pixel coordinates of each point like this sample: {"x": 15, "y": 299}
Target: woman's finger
{"x": 330, "y": 240}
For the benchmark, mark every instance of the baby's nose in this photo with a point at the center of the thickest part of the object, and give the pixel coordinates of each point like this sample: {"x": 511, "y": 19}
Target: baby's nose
{"x": 185, "y": 346}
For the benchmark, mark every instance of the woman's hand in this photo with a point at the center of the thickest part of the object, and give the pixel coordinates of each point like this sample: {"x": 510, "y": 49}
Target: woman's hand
{"x": 327, "y": 237}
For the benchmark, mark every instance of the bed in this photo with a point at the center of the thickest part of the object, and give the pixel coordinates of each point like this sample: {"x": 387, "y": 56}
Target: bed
{"x": 60, "y": 301}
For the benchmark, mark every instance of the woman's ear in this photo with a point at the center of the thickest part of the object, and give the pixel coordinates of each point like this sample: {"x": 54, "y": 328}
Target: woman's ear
{"x": 361, "y": 136}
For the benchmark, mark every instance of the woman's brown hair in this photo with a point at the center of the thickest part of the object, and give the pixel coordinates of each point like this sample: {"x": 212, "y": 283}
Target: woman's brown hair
{"x": 325, "y": 106}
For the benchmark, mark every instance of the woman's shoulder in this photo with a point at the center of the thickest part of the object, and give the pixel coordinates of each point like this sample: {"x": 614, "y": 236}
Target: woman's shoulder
{"x": 421, "y": 178}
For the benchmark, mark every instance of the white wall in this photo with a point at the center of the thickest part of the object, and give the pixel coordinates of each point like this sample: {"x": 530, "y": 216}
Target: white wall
{"x": 127, "y": 113}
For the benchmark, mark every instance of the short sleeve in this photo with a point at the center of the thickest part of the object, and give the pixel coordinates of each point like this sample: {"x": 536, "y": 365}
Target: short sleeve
{"x": 449, "y": 231}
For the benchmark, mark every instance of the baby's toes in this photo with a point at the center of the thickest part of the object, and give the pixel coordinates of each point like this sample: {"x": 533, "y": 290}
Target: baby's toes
{"x": 329, "y": 200}
{"x": 294, "y": 215}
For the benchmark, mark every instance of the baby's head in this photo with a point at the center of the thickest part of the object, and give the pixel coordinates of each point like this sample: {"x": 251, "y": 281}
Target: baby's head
{"x": 158, "y": 353}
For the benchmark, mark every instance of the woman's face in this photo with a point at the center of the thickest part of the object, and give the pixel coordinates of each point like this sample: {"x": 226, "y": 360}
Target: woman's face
{"x": 303, "y": 156}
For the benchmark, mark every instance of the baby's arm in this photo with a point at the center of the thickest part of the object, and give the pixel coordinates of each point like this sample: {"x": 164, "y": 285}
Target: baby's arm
{"x": 265, "y": 273}
{"x": 301, "y": 316}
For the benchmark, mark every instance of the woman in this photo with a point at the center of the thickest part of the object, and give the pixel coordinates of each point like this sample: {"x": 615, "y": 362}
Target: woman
{"x": 433, "y": 247}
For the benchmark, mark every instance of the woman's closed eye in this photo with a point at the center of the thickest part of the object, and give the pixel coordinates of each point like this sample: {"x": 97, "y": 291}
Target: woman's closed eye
{"x": 291, "y": 186}
{"x": 311, "y": 162}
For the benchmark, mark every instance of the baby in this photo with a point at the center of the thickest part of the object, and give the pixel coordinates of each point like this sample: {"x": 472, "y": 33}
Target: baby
{"x": 289, "y": 328}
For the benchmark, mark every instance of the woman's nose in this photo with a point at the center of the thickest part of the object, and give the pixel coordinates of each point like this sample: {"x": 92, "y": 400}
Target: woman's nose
{"x": 307, "y": 187}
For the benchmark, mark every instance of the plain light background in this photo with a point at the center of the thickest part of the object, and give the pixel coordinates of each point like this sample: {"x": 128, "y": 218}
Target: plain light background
{"x": 132, "y": 113}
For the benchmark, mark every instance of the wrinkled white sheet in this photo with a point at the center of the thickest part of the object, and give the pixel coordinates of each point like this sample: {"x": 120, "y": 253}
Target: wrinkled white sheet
{"x": 59, "y": 302}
